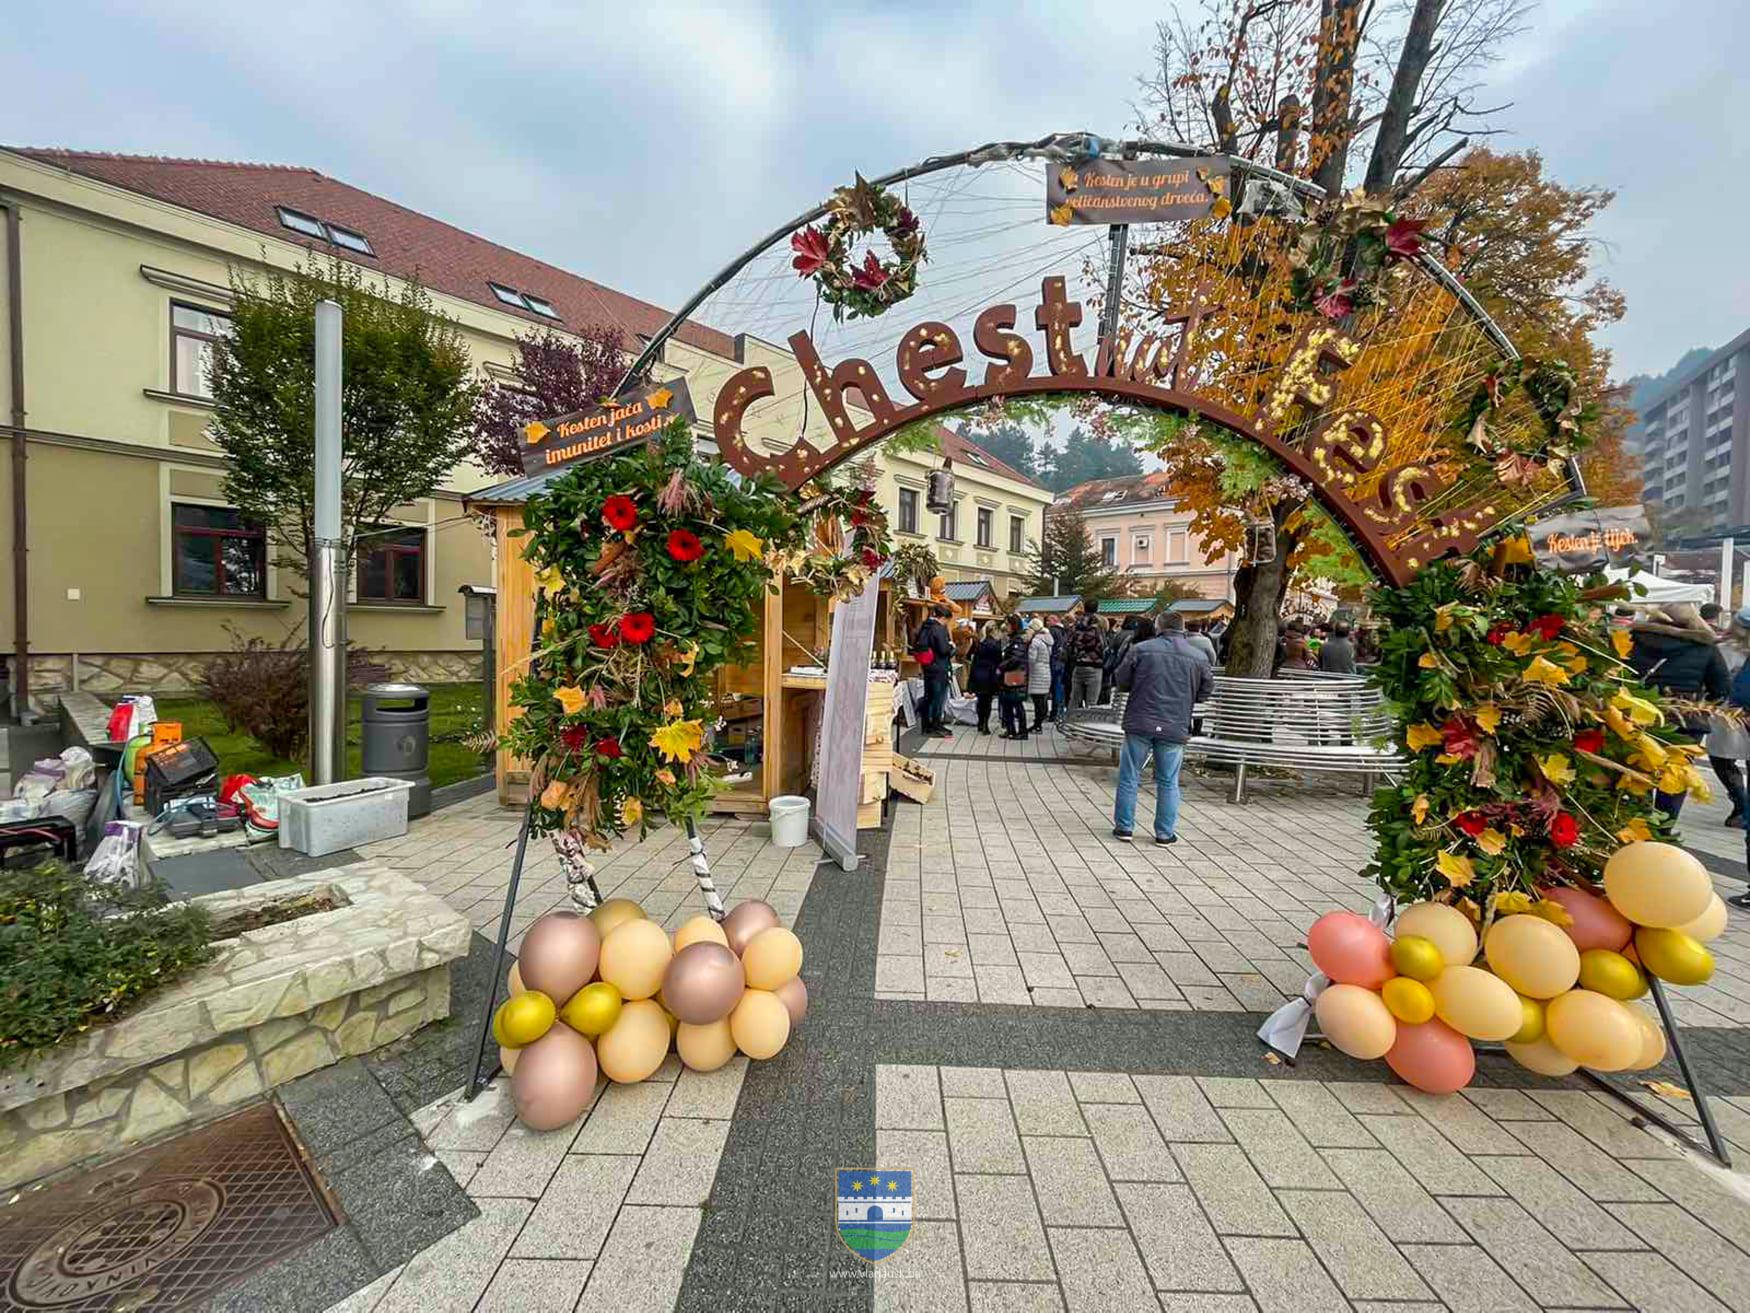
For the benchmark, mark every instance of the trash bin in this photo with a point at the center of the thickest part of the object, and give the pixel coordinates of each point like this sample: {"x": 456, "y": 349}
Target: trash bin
{"x": 789, "y": 813}
{"x": 395, "y": 738}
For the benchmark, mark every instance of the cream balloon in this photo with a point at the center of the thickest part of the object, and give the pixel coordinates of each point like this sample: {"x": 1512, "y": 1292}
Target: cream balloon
{"x": 1652, "y": 1040}
{"x": 1476, "y": 1004}
{"x": 1657, "y": 884}
{"x": 700, "y": 929}
{"x": 1446, "y": 927}
{"x": 515, "y": 980}
{"x": 635, "y": 1045}
{"x": 1710, "y": 925}
{"x": 614, "y": 913}
{"x": 761, "y": 1024}
{"x": 507, "y": 1059}
{"x": 1532, "y": 955}
{"x": 1593, "y": 1030}
{"x": 634, "y": 957}
{"x": 1356, "y": 1020}
{"x": 1542, "y": 1057}
{"x": 707, "y": 1047}
{"x": 771, "y": 957}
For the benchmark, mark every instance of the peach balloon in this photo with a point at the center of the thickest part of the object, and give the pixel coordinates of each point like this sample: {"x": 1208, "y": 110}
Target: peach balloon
{"x": 1532, "y": 955}
{"x": 1657, "y": 884}
{"x": 1350, "y": 949}
{"x": 771, "y": 957}
{"x": 1449, "y": 929}
{"x": 1652, "y": 1040}
{"x": 515, "y": 980}
{"x": 1596, "y": 923}
{"x": 634, "y": 957}
{"x": 1433, "y": 1057}
{"x": 1593, "y": 1030}
{"x": 1477, "y": 1004}
{"x": 1710, "y": 925}
{"x": 760, "y": 1024}
{"x": 558, "y": 954}
{"x": 507, "y": 1059}
{"x": 554, "y": 1079}
{"x": 1356, "y": 1021}
{"x": 635, "y": 1045}
{"x": 700, "y": 929}
{"x": 707, "y": 1047}
{"x": 745, "y": 920}
{"x": 614, "y": 913}
{"x": 1542, "y": 1057}
{"x": 793, "y": 994}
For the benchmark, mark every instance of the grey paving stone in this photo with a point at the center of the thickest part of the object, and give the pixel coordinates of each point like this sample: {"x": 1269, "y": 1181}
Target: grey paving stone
{"x": 1103, "y": 1087}
{"x": 1124, "y": 946}
{"x": 1531, "y": 1255}
{"x": 708, "y": 1093}
{"x": 1014, "y": 1297}
{"x": 1234, "y": 1092}
{"x": 1212, "y": 999}
{"x": 623, "y": 1119}
{"x": 993, "y": 950}
{"x": 1393, "y": 1198}
{"x": 1691, "y": 1185}
{"x": 907, "y": 1098}
{"x": 1000, "y": 1229}
{"x": 643, "y": 1262}
{"x": 1548, "y": 1196}
{"x": 1507, "y": 1105}
{"x": 1087, "y": 960}
{"x": 1001, "y": 985}
{"x": 1282, "y": 1156}
{"x": 1069, "y": 1182}
{"x": 982, "y": 1137}
{"x": 681, "y": 1162}
{"x": 1354, "y": 1250}
{"x": 366, "y": 1299}
{"x": 951, "y": 989}
{"x": 522, "y": 1162}
{"x": 457, "y": 1269}
{"x": 1431, "y": 1159}
{"x": 1176, "y": 1240}
{"x": 1181, "y": 1111}
{"x": 973, "y": 1083}
{"x": 900, "y": 974}
{"x": 925, "y": 1155}
{"x": 462, "y": 1163}
{"x": 1178, "y": 1303}
{"x": 1467, "y": 1279}
{"x": 1046, "y": 971}
{"x": 1708, "y": 1257}
{"x": 1146, "y": 980}
{"x": 1369, "y": 1097}
{"x": 1471, "y": 1130}
{"x": 478, "y": 1125}
{"x": 1105, "y": 992}
{"x": 1284, "y": 1276}
{"x": 1231, "y": 1192}
{"x": 1601, "y": 1124}
{"x": 1045, "y": 996}
{"x": 572, "y": 1218}
{"x": 925, "y": 1276}
{"x": 1318, "y": 1115}
{"x": 1598, "y": 1175}
{"x": 1099, "y": 1270}
{"x": 1129, "y": 1144}
{"x": 1649, "y": 1281}
{"x": 534, "y": 1285}
{"x": 1185, "y": 969}
{"x": 1043, "y": 1103}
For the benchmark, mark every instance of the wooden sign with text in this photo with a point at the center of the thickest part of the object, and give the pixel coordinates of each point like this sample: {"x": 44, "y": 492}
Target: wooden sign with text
{"x": 1134, "y": 191}
{"x": 597, "y": 430}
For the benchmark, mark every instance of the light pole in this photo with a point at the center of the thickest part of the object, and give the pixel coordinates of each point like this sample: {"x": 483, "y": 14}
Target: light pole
{"x": 327, "y": 581}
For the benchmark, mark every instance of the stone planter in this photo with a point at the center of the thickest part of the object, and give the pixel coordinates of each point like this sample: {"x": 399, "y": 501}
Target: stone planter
{"x": 274, "y": 1004}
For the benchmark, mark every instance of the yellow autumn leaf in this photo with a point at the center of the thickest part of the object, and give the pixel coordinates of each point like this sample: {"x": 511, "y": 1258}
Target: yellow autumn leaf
{"x": 1448, "y": 759}
{"x": 1063, "y": 215}
{"x": 684, "y": 661}
{"x": 1636, "y": 831}
{"x": 1620, "y": 725}
{"x": 551, "y": 580}
{"x": 1698, "y": 787}
{"x": 672, "y": 709}
{"x": 1519, "y": 644}
{"x": 1577, "y": 665}
{"x": 631, "y": 811}
{"x": 1636, "y": 785}
{"x": 1458, "y": 870}
{"x": 1552, "y": 911}
{"x": 571, "y": 698}
{"x": 1491, "y": 841}
{"x": 1222, "y": 207}
{"x": 1511, "y": 904}
{"x": 1428, "y": 661}
{"x": 1556, "y": 768}
{"x": 679, "y": 740}
{"x": 554, "y": 795}
{"x": 745, "y": 544}
{"x": 1650, "y": 752}
{"x": 1488, "y": 717}
{"x": 1639, "y": 710}
{"x": 1443, "y": 617}
{"x": 1419, "y": 808}
{"x": 1621, "y": 643}
{"x": 1422, "y": 735}
{"x": 1542, "y": 671}
{"x": 665, "y": 776}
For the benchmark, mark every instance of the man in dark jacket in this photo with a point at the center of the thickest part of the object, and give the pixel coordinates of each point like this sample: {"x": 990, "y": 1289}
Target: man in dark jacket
{"x": 1087, "y": 662}
{"x": 1165, "y": 677}
{"x": 1060, "y": 636}
{"x": 1337, "y": 655}
{"x": 935, "y": 653}
{"x": 1677, "y": 652}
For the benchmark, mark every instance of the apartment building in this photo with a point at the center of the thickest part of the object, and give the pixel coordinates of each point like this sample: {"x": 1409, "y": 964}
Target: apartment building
{"x": 1694, "y": 442}
{"x": 1140, "y": 529}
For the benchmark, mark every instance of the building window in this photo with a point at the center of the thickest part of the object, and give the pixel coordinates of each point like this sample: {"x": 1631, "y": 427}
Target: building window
{"x": 193, "y": 330}
{"x": 1108, "y": 551}
{"x": 1140, "y": 549}
{"x": 908, "y": 510}
{"x": 1176, "y": 548}
{"x": 987, "y": 527}
{"x": 539, "y": 305}
{"x": 392, "y": 566}
{"x": 1017, "y": 533}
{"x": 303, "y": 223}
{"x": 215, "y": 552}
{"x": 350, "y": 240}
{"x": 949, "y": 529}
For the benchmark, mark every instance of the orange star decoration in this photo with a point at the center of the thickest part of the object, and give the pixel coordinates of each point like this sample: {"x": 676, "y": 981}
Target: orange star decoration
{"x": 679, "y": 740}
{"x": 1543, "y": 671}
{"x": 535, "y": 432}
{"x": 660, "y": 398}
{"x": 1062, "y": 215}
{"x": 571, "y": 698}
{"x": 1458, "y": 870}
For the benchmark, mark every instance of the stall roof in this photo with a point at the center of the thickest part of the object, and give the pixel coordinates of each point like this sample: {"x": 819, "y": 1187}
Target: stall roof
{"x": 968, "y": 590}
{"x": 1050, "y": 605}
{"x": 1126, "y": 605}
{"x": 1198, "y": 605}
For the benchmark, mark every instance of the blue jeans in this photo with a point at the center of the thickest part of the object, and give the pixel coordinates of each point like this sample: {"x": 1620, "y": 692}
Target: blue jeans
{"x": 1167, "y": 755}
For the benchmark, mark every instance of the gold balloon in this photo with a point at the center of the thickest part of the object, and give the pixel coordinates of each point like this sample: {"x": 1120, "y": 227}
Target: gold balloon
{"x": 1710, "y": 925}
{"x": 558, "y": 954}
{"x": 1533, "y": 1028}
{"x": 1652, "y": 1040}
{"x": 700, "y": 929}
{"x": 1542, "y": 1057}
{"x": 1532, "y": 955}
{"x": 760, "y": 1024}
{"x": 1611, "y": 974}
{"x": 1593, "y": 1030}
{"x": 554, "y": 1080}
{"x": 707, "y": 1047}
{"x": 1448, "y": 928}
{"x": 1418, "y": 958}
{"x": 613, "y": 914}
{"x": 1476, "y": 1004}
{"x": 1408, "y": 999}
{"x": 771, "y": 957}
{"x": 637, "y": 1043}
{"x": 634, "y": 956}
{"x": 593, "y": 1009}
{"x": 1657, "y": 884}
{"x": 1356, "y": 1021}
{"x": 1672, "y": 955}
{"x": 522, "y": 1019}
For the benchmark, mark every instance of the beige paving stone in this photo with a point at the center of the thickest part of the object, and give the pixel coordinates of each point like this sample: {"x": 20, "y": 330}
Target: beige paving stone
{"x": 925, "y": 1155}
{"x": 1649, "y": 1281}
{"x": 1015, "y": 1297}
{"x": 1231, "y": 1192}
{"x": 1103, "y": 1087}
{"x": 1180, "y": 1109}
{"x": 1008, "y": 1242}
{"x": 907, "y": 1098}
{"x": 1043, "y": 1103}
{"x": 643, "y": 1262}
{"x": 1284, "y": 1276}
{"x": 1279, "y": 1152}
{"x": 1099, "y": 1270}
{"x": 681, "y": 1162}
{"x": 925, "y": 1276}
{"x": 534, "y": 1285}
{"x": 1531, "y": 1255}
{"x": 1130, "y": 1145}
{"x": 571, "y": 1220}
{"x": 982, "y": 1136}
{"x": 1318, "y": 1116}
{"x": 456, "y": 1270}
{"x": 1177, "y": 1243}
{"x": 1069, "y": 1182}
{"x": 1354, "y": 1250}
{"x": 623, "y": 1119}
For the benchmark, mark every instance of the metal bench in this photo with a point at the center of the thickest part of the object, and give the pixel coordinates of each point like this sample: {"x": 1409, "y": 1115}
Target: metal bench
{"x": 1317, "y": 723}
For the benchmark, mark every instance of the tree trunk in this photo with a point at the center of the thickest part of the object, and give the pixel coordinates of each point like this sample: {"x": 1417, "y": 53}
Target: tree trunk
{"x": 1333, "y": 89}
{"x": 1258, "y": 593}
{"x": 1394, "y": 124}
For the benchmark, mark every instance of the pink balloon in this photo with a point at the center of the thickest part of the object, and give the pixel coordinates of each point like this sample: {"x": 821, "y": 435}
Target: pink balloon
{"x": 553, "y": 1080}
{"x": 745, "y": 920}
{"x": 1596, "y": 923}
{"x": 1433, "y": 1057}
{"x": 793, "y": 994}
{"x": 1351, "y": 950}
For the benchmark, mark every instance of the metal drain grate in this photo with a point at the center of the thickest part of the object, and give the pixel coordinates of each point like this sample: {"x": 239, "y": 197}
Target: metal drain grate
{"x": 165, "y": 1227}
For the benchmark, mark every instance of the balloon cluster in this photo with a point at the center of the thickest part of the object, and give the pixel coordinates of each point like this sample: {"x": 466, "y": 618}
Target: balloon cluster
{"x": 630, "y": 993}
{"x": 1559, "y": 997}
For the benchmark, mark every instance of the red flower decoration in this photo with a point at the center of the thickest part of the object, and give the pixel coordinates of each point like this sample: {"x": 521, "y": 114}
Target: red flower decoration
{"x": 1589, "y": 740}
{"x": 1403, "y": 239}
{"x": 1472, "y": 823}
{"x": 870, "y": 277}
{"x": 1564, "y": 830}
{"x": 1497, "y": 632}
{"x": 609, "y": 748}
{"x": 812, "y": 251}
{"x": 1460, "y": 738}
{"x": 858, "y": 519}
{"x": 637, "y": 627}
{"x": 871, "y": 558}
{"x": 604, "y": 636}
{"x": 619, "y": 513}
{"x": 684, "y": 545}
{"x": 907, "y": 222}
{"x": 1547, "y": 627}
{"x": 1338, "y": 300}
{"x": 575, "y": 737}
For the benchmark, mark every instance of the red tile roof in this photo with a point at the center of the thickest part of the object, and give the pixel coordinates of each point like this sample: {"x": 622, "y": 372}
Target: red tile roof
{"x": 407, "y": 243}
{"x": 955, "y": 447}
{"x": 1131, "y": 488}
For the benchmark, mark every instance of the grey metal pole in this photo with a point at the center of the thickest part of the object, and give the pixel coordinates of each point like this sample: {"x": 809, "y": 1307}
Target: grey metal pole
{"x": 327, "y": 580}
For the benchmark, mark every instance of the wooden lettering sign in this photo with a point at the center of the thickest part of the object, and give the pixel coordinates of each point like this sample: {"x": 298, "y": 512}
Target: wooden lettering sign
{"x": 1134, "y": 191}
{"x": 597, "y": 430}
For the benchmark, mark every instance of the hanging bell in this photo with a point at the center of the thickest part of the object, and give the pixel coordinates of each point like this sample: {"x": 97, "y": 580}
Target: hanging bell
{"x": 939, "y": 494}
{"x": 1260, "y": 542}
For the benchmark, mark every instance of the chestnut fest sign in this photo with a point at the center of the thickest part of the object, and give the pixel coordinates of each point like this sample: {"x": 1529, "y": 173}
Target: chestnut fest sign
{"x": 597, "y": 430}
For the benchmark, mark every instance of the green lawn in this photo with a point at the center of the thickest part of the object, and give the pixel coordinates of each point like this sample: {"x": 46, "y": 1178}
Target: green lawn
{"x": 455, "y": 711}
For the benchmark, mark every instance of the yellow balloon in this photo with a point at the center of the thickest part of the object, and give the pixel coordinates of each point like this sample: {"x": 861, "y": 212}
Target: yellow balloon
{"x": 771, "y": 957}
{"x": 1657, "y": 884}
{"x": 634, "y": 956}
{"x": 1710, "y": 925}
{"x": 1408, "y": 1000}
{"x": 1532, "y": 955}
{"x": 700, "y": 929}
{"x": 1595, "y": 1031}
{"x": 1652, "y": 1040}
{"x": 1533, "y": 1028}
{"x": 1672, "y": 955}
{"x": 1447, "y": 928}
{"x": 1476, "y": 1004}
{"x": 522, "y": 1019}
{"x": 705, "y": 1047}
{"x": 1417, "y": 957}
{"x": 1356, "y": 1021}
{"x": 1542, "y": 1057}
{"x": 1611, "y": 974}
{"x": 593, "y": 1009}
{"x": 760, "y": 1024}
{"x": 613, "y": 914}
{"x": 636, "y": 1044}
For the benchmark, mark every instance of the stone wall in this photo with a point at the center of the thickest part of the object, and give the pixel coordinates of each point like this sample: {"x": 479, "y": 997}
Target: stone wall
{"x": 169, "y": 674}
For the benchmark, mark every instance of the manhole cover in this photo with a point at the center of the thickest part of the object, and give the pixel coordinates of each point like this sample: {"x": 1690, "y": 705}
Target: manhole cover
{"x": 165, "y": 1227}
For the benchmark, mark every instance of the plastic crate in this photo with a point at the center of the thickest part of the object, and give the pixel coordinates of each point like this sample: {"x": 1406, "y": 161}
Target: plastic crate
{"x": 326, "y": 818}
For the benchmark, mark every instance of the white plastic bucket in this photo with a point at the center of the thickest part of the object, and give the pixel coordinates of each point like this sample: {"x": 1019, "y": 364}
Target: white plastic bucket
{"x": 789, "y": 813}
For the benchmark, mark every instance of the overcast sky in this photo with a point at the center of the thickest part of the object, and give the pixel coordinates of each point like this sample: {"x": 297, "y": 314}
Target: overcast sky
{"x": 643, "y": 144}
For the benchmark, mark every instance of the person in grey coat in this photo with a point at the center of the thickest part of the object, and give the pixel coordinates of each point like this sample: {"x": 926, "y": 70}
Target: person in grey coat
{"x": 1040, "y": 647}
{"x": 1165, "y": 677}
{"x": 1337, "y": 653}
